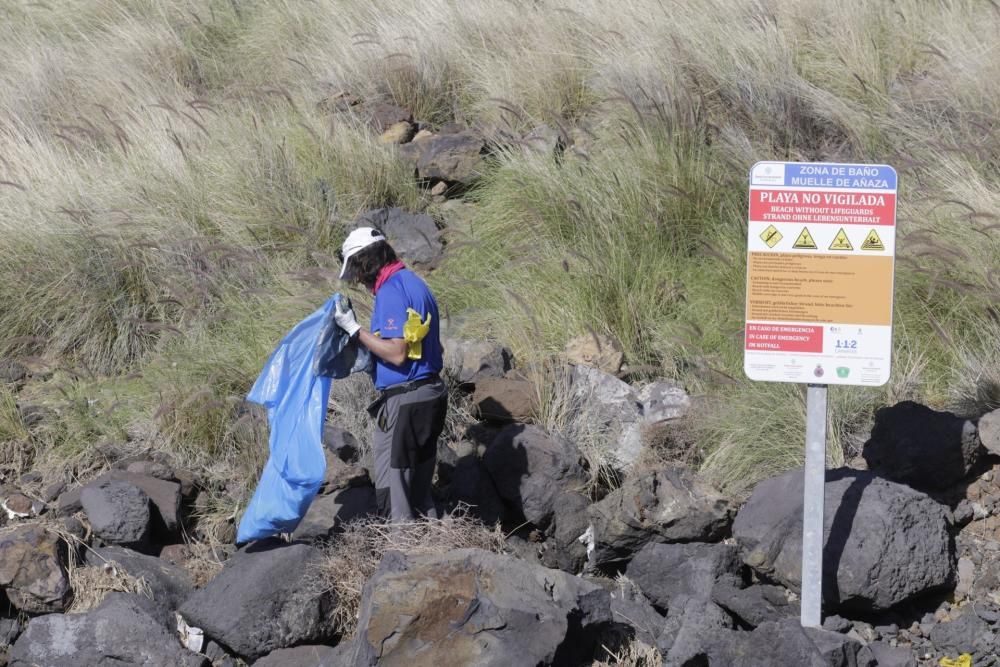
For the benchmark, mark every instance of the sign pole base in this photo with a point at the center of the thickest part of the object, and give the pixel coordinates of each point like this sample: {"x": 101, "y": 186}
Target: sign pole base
{"x": 812, "y": 507}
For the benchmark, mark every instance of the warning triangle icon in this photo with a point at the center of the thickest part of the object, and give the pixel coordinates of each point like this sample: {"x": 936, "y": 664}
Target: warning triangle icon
{"x": 841, "y": 242}
{"x": 770, "y": 236}
{"x": 872, "y": 242}
{"x": 805, "y": 241}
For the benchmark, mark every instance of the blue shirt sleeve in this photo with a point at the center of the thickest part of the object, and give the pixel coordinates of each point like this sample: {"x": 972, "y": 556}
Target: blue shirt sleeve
{"x": 389, "y": 313}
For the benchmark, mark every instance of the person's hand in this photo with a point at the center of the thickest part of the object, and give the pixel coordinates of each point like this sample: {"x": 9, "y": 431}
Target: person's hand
{"x": 345, "y": 318}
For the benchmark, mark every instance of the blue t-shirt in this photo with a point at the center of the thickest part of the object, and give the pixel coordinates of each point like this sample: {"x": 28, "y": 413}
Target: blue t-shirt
{"x": 404, "y": 289}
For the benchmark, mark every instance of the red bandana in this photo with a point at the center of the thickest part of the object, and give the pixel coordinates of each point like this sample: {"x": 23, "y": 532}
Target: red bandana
{"x": 386, "y": 272}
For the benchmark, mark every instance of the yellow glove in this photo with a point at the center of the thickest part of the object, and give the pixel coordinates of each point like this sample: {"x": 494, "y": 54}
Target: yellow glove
{"x": 414, "y": 331}
{"x": 964, "y": 660}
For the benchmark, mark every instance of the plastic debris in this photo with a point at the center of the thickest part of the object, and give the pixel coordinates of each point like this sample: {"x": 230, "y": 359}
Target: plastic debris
{"x": 964, "y": 660}
{"x": 296, "y": 400}
{"x": 193, "y": 638}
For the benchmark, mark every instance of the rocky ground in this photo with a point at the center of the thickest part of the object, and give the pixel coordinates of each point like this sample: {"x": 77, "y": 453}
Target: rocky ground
{"x": 626, "y": 553}
{"x": 664, "y": 560}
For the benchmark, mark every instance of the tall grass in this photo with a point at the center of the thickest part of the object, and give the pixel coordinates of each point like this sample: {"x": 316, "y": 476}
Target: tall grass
{"x": 173, "y": 182}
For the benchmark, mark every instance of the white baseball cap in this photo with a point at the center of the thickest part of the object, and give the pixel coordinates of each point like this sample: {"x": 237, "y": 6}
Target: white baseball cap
{"x": 356, "y": 241}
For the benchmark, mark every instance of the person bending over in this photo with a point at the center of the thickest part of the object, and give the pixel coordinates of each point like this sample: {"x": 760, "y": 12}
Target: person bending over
{"x": 404, "y": 339}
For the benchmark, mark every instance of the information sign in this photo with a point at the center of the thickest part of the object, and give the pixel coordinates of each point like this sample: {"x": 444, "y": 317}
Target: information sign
{"x": 820, "y": 259}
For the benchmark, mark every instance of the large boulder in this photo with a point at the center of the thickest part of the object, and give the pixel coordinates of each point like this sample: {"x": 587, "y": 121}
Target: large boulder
{"x": 612, "y": 406}
{"x": 692, "y": 622}
{"x": 473, "y": 360}
{"x": 665, "y": 571}
{"x": 563, "y": 548}
{"x": 921, "y": 447}
{"x": 330, "y": 513}
{"x": 663, "y": 400}
{"x": 472, "y": 485}
{"x": 753, "y": 605}
{"x": 886, "y": 655}
{"x": 414, "y": 236}
{"x": 603, "y": 393}
{"x": 504, "y": 400}
{"x": 632, "y": 611}
{"x": 884, "y": 543}
{"x": 454, "y": 157}
{"x": 965, "y": 632}
{"x": 264, "y": 599}
{"x": 784, "y": 642}
{"x": 382, "y": 115}
{"x": 169, "y": 585}
{"x": 342, "y": 475}
{"x": 989, "y": 431}
{"x": 616, "y": 407}
{"x": 472, "y": 607}
{"x": 164, "y": 494}
{"x": 19, "y": 506}
{"x": 341, "y": 443}
{"x": 669, "y": 504}
{"x": 32, "y": 570}
{"x": 118, "y": 512}
{"x": 529, "y": 468}
{"x": 119, "y": 633}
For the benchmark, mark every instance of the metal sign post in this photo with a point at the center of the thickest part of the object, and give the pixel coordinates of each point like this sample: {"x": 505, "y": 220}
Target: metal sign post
{"x": 812, "y": 506}
{"x": 821, "y": 248}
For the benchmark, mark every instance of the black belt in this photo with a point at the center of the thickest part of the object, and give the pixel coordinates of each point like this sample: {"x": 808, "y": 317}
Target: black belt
{"x": 398, "y": 389}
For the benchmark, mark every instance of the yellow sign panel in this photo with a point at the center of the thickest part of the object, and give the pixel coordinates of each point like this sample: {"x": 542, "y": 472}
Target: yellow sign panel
{"x": 770, "y": 236}
{"x": 805, "y": 241}
{"x": 872, "y": 242}
{"x": 841, "y": 242}
{"x": 861, "y": 293}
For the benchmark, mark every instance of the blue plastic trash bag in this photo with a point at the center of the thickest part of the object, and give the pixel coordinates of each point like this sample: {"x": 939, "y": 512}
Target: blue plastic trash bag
{"x": 296, "y": 400}
{"x": 337, "y": 354}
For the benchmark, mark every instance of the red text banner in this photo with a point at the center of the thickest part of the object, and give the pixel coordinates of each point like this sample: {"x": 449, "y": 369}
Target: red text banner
{"x": 823, "y": 207}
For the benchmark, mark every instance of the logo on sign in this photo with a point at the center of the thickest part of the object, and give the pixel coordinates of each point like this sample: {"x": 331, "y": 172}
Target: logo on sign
{"x": 769, "y": 174}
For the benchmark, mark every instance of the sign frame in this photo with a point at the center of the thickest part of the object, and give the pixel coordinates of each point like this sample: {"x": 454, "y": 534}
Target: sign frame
{"x": 820, "y": 273}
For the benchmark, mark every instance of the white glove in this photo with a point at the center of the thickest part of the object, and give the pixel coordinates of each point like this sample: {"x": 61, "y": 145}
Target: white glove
{"x": 345, "y": 318}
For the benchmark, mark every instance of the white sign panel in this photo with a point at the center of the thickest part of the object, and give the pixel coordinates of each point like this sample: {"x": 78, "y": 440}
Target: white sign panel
{"x": 820, "y": 261}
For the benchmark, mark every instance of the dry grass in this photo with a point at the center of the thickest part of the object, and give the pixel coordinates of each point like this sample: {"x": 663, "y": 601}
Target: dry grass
{"x": 564, "y": 412}
{"x": 348, "y": 399}
{"x": 172, "y": 183}
{"x": 205, "y": 561}
{"x": 354, "y": 555}
{"x": 92, "y": 583}
{"x": 634, "y": 654}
